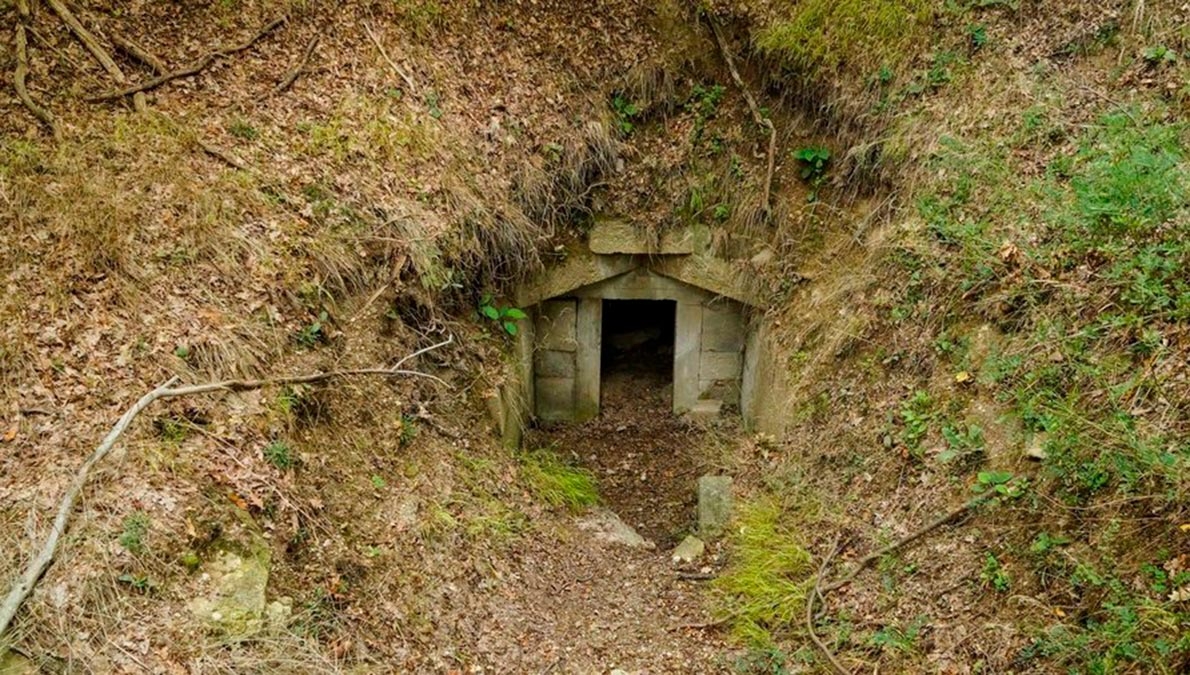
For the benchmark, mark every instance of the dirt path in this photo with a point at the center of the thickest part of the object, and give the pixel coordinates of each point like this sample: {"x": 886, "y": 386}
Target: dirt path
{"x": 578, "y": 605}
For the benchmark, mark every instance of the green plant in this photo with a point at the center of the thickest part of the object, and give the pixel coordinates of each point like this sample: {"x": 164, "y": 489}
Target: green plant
{"x": 139, "y": 582}
{"x": 916, "y": 415}
{"x": 1159, "y": 55}
{"x": 978, "y": 34}
{"x": 761, "y": 661}
{"x": 136, "y": 528}
{"x": 814, "y": 161}
{"x": 378, "y": 481}
{"x": 993, "y": 574}
{"x": 506, "y": 317}
{"x": 900, "y": 639}
{"x": 279, "y": 454}
{"x": 314, "y": 332}
{"x": 625, "y": 111}
{"x": 408, "y": 430}
{"x": 964, "y": 444}
{"x": 243, "y": 130}
{"x": 1002, "y": 484}
{"x": 557, "y": 482}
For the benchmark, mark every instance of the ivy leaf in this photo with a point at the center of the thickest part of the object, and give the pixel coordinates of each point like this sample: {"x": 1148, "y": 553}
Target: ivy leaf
{"x": 510, "y": 328}
{"x": 515, "y": 314}
{"x": 490, "y": 312}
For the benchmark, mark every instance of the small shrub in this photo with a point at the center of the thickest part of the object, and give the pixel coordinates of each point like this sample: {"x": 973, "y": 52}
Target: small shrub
{"x": 506, "y": 317}
{"x": 558, "y": 483}
{"x": 994, "y": 574}
{"x": 136, "y": 528}
{"x": 625, "y": 111}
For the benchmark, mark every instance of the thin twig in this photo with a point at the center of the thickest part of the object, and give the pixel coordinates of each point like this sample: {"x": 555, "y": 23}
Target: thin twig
{"x": 41, "y": 562}
{"x": 21, "y": 75}
{"x": 816, "y": 594}
{"x": 300, "y": 68}
{"x": 222, "y": 155}
{"x": 392, "y": 64}
{"x": 192, "y": 69}
{"x": 92, "y": 44}
{"x": 760, "y": 119}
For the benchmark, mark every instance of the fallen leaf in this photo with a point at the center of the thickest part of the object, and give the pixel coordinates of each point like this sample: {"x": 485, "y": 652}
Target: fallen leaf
{"x": 962, "y": 377}
{"x": 10, "y": 434}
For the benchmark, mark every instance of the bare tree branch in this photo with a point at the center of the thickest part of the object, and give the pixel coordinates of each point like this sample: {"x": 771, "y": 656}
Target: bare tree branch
{"x": 292, "y": 76}
{"x": 140, "y": 53}
{"x": 23, "y": 587}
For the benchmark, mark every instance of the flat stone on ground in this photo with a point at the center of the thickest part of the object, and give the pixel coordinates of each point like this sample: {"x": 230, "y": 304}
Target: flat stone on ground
{"x": 609, "y": 529}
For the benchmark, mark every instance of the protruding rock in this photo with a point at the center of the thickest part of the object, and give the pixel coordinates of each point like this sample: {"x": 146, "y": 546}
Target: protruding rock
{"x": 714, "y": 504}
{"x": 1035, "y": 448}
{"x": 609, "y": 529}
{"x": 689, "y": 550}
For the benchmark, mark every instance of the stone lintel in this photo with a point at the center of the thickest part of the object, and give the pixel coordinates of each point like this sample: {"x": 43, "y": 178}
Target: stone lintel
{"x": 711, "y": 274}
{"x": 619, "y": 237}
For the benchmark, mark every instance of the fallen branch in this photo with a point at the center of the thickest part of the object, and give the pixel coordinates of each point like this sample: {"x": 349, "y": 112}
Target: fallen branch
{"x": 222, "y": 155}
{"x": 41, "y": 562}
{"x": 92, "y": 44}
{"x": 21, "y": 75}
{"x": 300, "y": 68}
{"x": 760, "y": 119}
{"x": 138, "y": 52}
{"x": 190, "y": 70}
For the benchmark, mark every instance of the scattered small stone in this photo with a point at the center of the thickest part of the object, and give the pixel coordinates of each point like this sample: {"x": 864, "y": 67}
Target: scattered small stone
{"x": 689, "y": 550}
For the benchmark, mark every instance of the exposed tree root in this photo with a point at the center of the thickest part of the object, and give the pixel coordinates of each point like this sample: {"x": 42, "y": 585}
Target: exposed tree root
{"x": 818, "y": 591}
{"x": 92, "y": 44}
{"x": 138, "y": 52}
{"x": 37, "y": 567}
{"x": 21, "y": 75}
{"x": 190, "y": 70}
{"x": 760, "y": 119}
{"x": 300, "y": 68}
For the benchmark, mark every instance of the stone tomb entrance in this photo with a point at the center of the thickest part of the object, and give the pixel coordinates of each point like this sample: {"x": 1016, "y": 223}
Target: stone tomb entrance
{"x": 636, "y": 318}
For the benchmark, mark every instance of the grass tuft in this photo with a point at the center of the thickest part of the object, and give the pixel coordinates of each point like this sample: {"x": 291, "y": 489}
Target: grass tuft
{"x": 763, "y": 590}
{"x": 557, "y": 482}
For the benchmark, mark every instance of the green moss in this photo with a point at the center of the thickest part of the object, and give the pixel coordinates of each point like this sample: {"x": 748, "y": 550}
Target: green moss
{"x": 819, "y": 36}
{"x": 764, "y": 588}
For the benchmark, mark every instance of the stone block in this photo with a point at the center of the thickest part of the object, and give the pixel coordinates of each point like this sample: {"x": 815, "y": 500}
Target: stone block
{"x": 555, "y": 398}
{"x": 722, "y": 328}
{"x": 549, "y": 363}
{"x": 705, "y": 410}
{"x": 714, "y": 505}
{"x": 720, "y": 366}
{"x": 556, "y": 325}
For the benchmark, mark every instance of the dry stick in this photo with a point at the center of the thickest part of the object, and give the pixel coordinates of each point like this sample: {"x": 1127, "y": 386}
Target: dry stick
{"x": 37, "y": 567}
{"x": 392, "y": 64}
{"x": 759, "y": 118}
{"x": 222, "y": 155}
{"x": 138, "y": 52}
{"x": 294, "y": 74}
{"x": 192, "y": 69}
{"x": 20, "y": 76}
{"x": 92, "y": 44}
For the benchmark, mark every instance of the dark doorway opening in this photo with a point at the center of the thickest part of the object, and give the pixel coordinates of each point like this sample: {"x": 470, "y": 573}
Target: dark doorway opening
{"x": 638, "y": 348}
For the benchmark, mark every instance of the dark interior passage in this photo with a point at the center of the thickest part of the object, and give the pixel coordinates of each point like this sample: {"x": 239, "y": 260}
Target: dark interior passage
{"x": 638, "y": 339}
